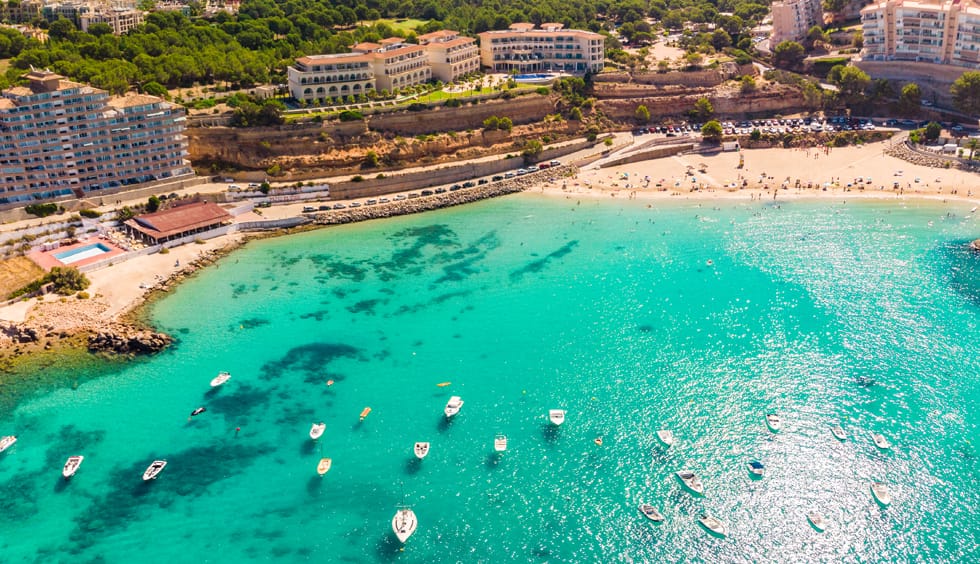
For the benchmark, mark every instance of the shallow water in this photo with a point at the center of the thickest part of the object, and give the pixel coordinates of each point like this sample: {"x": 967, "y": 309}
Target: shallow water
{"x": 864, "y": 314}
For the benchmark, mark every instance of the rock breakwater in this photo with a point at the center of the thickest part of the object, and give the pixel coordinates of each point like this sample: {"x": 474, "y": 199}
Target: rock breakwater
{"x": 415, "y": 204}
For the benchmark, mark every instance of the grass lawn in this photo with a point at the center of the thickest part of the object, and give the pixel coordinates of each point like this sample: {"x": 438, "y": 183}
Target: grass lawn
{"x": 17, "y": 272}
{"x": 401, "y": 26}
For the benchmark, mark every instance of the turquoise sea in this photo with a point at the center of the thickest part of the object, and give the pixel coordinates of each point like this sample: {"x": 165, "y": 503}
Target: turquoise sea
{"x": 858, "y": 313}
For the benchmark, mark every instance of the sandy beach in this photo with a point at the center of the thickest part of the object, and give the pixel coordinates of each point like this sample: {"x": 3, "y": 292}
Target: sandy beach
{"x": 783, "y": 173}
{"x": 765, "y": 174}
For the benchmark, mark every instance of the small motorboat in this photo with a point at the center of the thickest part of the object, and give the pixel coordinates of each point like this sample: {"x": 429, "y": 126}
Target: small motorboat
{"x": 665, "y": 437}
{"x": 756, "y": 468}
{"x": 691, "y": 481}
{"x": 443, "y": 384}
{"x": 880, "y": 493}
{"x": 500, "y": 443}
{"x": 71, "y": 466}
{"x": 838, "y": 433}
{"x": 651, "y": 513}
{"x": 323, "y": 466}
{"x": 7, "y": 442}
{"x": 220, "y": 379}
{"x": 421, "y": 450}
{"x": 713, "y": 525}
{"x": 453, "y": 406}
{"x": 330, "y": 382}
{"x": 817, "y": 521}
{"x": 773, "y": 422}
{"x": 316, "y": 431}
{"x": 880, "y": 441}
{"x": 364, "y": 413}
{"x": 404, "y": 524}
{"x": 198, "y": 411}
{"x": 153, "y": 470}
{"x": 557, "y": 416}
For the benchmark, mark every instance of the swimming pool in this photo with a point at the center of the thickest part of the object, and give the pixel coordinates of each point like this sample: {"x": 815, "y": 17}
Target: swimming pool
{"x": 82, "y": 253}
{"x": 538, "y": 77}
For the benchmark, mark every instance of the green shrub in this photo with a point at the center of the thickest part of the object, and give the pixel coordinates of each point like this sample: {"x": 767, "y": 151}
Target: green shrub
{"x": 417, "y": 107}
{"x": 66, "y": 280}
{"x": 91, "y": 214}
{"x": 82, "y": 295}
{"x": 350, "y": 115}
{"x": 41, "y": 210}
{"x": 357, "y": 178}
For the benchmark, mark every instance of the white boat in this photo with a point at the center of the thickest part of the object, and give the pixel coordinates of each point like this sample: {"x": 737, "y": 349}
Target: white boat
{"x": 557, "y": 416}
{"x": 404, "y": 524}
{"x": 880, "y": 493}
{"x": 651, "y": 513}
{"x": 666, "y": 437}
{"x": 316, "y": 431}
{"x": 773, "y": 422}
{"x": 153, "y": 470}
{"x": 817, "y": 520}
{"x": 7, "y": 442}
{"x": 323, "y": 466}
{"x": 691, "y": 481}
{"x": 880, "y": 441}
{"x": 713, "y": 525}
{"x": 71, "y": 466}
{"x": 839, "y": 433}
{"x": 421, "y": 450}
{"x": 500, "y": 443}
{"x": 757, "y": 468}
{"x": 220, "y": 379}
{"x": 453, "y": 406}
{"x": 198, "y": 411}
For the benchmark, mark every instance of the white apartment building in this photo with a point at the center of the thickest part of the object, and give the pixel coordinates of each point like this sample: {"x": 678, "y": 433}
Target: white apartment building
{"x": 120, "y": 20}
{"x": 450, "y": 55}
{"x": 524, "y": 49}
{"x": 792, "y": 19}
{"x": 930, "y": 31}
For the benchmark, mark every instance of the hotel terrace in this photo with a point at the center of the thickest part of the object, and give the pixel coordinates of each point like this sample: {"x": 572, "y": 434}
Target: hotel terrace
{"x": 929, "y": 31}
{"x": 61, "y": 138}
{"x": 524, "y": 49}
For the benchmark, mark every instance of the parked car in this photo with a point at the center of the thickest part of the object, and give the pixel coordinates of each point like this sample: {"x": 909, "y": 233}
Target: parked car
{"x": 441, "y": 190}
{"x": 497, "y": 178}
{"x": 324, "y": 208}
{"x": 371, "y": 202}
{"x": 482, "y": 181}
{"x": 308, "y": 209}
{"x": 469, "y": 184}
{"x": 355, "y": 204}
{"x": 339, "y": 206}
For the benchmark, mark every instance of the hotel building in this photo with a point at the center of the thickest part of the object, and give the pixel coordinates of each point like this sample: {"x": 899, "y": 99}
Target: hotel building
{"x": 930, "y": 31}
{"x": 388, "y": 65}
{"x": 792, "y": 19}
{"x": 450, "y": 55}
{"x": 61, "y": 138}
{"x": 524, "y": 49}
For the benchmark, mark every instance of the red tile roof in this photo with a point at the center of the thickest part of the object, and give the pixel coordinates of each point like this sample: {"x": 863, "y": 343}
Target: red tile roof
{"x": 179, "y": 219}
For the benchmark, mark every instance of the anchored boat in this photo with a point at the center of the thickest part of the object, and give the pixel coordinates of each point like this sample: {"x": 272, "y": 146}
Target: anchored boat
{"x": 773, "y": 422}
{"x": 756, "y": 468}
{"x": 557, "y": 416}
{"x": 7, "y": 442}
{"x": 881, "y": 494}
{"x": 316, "y": 431}
{"x": 500, "y": 443}
{"x": 323, "y": 466}
{"x": 691, "y": 481}
{"x": 71, "y": 466}
{"x": 838, "y": 433}
{"x": 880, "y": 441}
{"x": 154, "y": 470}
{"x": 651, "y": 513}
{"x": 421, "y": 450}
{"x": 453, "y": 406}
{"x": 665, "y": 437}
{"x": 220, "y": 379}
{"x": 404, "y": 524}
{"x": 713, "y": 525}
{"x": 817, "y": 521}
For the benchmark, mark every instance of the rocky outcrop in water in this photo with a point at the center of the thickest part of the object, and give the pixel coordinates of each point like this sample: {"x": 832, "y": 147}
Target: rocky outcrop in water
{"x": 18, "y": 333}
{"x": 975, "y": 245}
{"x": 128, "y": 340}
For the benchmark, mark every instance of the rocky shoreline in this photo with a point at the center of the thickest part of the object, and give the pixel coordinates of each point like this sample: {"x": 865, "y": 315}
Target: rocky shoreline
{"x": 444, "y": 200}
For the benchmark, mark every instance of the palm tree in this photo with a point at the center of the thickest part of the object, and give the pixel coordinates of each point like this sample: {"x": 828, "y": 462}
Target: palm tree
{"x": 973, "y": 144}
